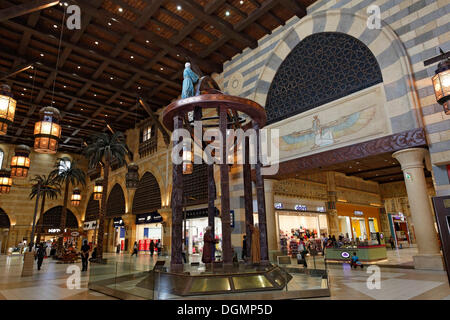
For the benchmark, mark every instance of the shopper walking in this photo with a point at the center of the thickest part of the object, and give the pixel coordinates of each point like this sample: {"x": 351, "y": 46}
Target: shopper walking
{"x": 391, "y": 241}
{"x": 135, "y": 249}
{"x": 152, "y": 247}
{"x": 158, "y": 246}
{"x": 244, "y": 247}
{"x": 85, "y": 255}
{"x": 40, "y": 254}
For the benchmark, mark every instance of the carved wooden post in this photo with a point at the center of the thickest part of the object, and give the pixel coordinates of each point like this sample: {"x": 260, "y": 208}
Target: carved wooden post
{"x": 225, "y": 188}
{"x": 211, "y": 207}
{"x": 248, "y": 196}
{"x": 261, "y": 200}
{"x": 177, "y": 204}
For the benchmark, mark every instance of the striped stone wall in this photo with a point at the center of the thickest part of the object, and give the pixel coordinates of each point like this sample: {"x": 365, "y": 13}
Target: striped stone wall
{"x": 412, "y": 31}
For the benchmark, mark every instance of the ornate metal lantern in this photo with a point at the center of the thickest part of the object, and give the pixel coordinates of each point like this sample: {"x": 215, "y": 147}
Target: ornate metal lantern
{"x": 7, "y": 108}
{"x": 132, "y": 176}
{"x": 188, "y": 166}
{"x": 75, "y": 199}
{"x": 441, "y": 84}
{"x": 5, "y": 181}
{"x": 98, "y": 189}
{"x": 47, "y": 131}
{"x": 20, "y": 163}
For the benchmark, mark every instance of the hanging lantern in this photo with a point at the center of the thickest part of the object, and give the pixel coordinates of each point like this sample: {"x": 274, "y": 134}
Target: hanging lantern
{"x": 441, "y": 84}
{"x": 20, "y": 163}
{"x": 188, "y": 166}
{"x": 7, "y": 108}
{"x": 5, "y": 181}
{"x": 75, "y": 199}
{"x": 98, "y": 189}
{"x": 47, "y": 131}
{"x": 132, "y": 176}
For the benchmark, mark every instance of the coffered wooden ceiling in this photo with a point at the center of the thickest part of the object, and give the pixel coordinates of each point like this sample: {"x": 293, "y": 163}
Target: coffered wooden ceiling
{"x": 124, "y": 49}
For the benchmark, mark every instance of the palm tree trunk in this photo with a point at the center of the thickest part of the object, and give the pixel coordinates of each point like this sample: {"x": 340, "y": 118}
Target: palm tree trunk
{"x": 101, "y": 216}
{"x": 63, "y": 219}
{"x": 41, "y": 219}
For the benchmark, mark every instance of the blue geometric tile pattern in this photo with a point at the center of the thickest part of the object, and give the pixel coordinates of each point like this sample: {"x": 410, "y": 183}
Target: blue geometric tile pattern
{"x": 323, "y": 67}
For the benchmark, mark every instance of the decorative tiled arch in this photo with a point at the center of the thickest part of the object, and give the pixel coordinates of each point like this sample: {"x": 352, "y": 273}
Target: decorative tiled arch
{"x": 401, "y": 98}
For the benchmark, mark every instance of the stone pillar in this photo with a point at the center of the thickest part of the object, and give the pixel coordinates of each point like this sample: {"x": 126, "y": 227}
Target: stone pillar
{"x": 166, "y": 214}
{"x": 130, "y": 230}
{"x": 332, "y": 216}
{"x": 272, "y": 221}
{"x": 412, "y": 163}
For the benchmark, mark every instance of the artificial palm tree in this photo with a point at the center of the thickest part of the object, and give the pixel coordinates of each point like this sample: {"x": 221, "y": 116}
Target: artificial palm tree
{"x": 49, "y": 188}
{"x": 68, "y": 172}
{"x": 104, "y": 149}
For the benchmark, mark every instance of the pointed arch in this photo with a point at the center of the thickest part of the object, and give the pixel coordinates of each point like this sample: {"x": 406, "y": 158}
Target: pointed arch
{"x": 4, "y": 219}
{"x": 115, "y": 206}
{"x": 52, "y": 219}
{"x": 148, "y": 195}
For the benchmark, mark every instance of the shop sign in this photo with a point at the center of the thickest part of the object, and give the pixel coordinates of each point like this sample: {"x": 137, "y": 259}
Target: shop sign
{"x": 90, "y": 225}
{"x": 54, "y": 230}
{"x": 152, "y": 217}
{"x": 358, "y": 213}
{"x": 118, "y": 222}
{"x": 345, "y": 254}
{"x": 321, "y": 209}
{"x": 75, "y": 234}
{"x": 200, "y": 213}
{"x": 300, "y": 207}
{"x": 278, "y": 205}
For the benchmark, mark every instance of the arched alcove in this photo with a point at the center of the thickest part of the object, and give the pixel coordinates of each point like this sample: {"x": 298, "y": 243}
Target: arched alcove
{"x": 115, "y": 207}
{"x": 52, "y": 219}
{"x": 5, "y": 223}
{"x": 92, "y": 209}
{"x": 148, "y": 195}
{"x": 321, "y": 68}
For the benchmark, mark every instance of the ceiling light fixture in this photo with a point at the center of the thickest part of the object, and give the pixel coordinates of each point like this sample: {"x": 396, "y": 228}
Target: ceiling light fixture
{"x": 227, "y": 13}
{"x": 120, "y": 10}
{"x": 179, "y": 8}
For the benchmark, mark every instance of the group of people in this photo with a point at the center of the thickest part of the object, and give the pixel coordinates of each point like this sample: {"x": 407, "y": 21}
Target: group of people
{"x": 153, "y": 246}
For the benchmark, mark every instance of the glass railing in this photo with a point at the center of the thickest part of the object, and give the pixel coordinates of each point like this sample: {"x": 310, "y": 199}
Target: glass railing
{"x": 128, "y": 280}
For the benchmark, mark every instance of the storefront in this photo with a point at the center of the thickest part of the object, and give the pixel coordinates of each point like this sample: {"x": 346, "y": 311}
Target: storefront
{"x": 119, "y": 234}
{"x": 399, "y": 227}
{"x": 358, "y": 222}
{"x": 148, "y": 228}
{"x": 196, "y": 223}
{"x": 299, "y": 220}
{"x": 90, "y": 231}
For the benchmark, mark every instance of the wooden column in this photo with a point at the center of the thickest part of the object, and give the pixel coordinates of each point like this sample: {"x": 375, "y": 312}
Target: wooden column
{"x": 225, "y": 188}
{"x": 262, "y": 224}
{"x": 248, "y": 196}
{"x": 211, "y": 207}
{"x": 177, "y": 205}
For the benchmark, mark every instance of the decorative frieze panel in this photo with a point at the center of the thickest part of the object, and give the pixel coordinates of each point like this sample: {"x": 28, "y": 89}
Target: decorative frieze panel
{"x": 303, "y": 189}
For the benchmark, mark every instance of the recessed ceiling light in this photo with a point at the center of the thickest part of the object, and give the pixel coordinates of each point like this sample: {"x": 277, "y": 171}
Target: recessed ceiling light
{"x": 96, "y": 42}
{"x": 55, "y": 26}
{"x": 106, "y": 115}
{"x": 42, "y": 54}
{"x": 227, "y": 13}
{"x": 109, "y": 24}
{"x": 22, "y": 94}
{"x": 79, "y": 67}
{"x": 65, "y": 86}
{"x": 162, "y": 69}
{"x": 95, "y": 94}
{"x": 139, "y": 88}
{"x": 241, "y": 2}
{"x": 179, "y": 8}
{"x": 178, "y": 55}
{"x": 31, "y": 77}
{"x": 53, "y": 102}
{"x": 82, "y": 109}
{"x": 148, "y": 41}
{"x": 112, "y": 78}
{"x": 120, "y": 10}
{"x": 66, "y": 4}
{"x": 132, "y": 57}
{"x": 24, "y": 89}
{"x": 120, "y": 102}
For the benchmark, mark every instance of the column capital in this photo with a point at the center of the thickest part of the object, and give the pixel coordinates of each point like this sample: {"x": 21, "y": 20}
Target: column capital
{"x": 410, "y": 158}
{"x": 268, "y": 184}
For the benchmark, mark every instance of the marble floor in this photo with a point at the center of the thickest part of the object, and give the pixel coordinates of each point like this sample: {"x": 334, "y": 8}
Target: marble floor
{"x": 50, "y": 283}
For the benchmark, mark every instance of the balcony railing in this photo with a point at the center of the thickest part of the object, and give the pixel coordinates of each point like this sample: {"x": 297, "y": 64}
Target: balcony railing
{"x": 148, "y": 147}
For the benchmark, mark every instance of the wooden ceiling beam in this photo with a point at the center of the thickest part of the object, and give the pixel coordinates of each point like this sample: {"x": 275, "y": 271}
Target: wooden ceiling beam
{"x": 255, "y": 15}
{"x": 84, "y": 50}
{"x": 222, "y": 25}
{"x": 25, "y": 8}
{"x": 154, "y": 38}
{"x": 293, "y": 5}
